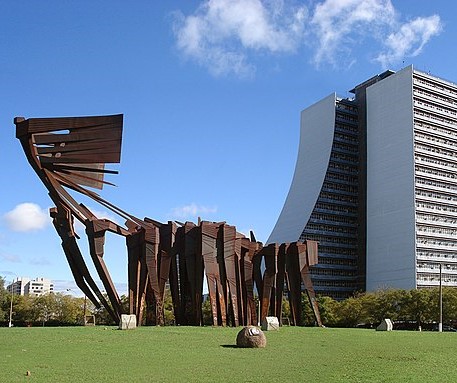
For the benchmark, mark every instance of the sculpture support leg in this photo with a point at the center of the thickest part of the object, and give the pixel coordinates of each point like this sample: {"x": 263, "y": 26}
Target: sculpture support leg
{"x": 96, "y": 236}
{"x": 208, "y": 250}
{"x": 152, "y": 260}
{"x": 281, "y": 264}
{"x": 294, "y": 286}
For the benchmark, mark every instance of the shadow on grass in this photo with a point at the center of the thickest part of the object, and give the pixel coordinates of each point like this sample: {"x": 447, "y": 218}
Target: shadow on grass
{"x": 230, "y": 346}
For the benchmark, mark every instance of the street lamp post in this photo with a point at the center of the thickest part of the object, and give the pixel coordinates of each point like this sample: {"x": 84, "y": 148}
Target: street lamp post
{"x": 10, "y": 324}
{"x": 13, "y": 284}
{"x": 440, "y": 325}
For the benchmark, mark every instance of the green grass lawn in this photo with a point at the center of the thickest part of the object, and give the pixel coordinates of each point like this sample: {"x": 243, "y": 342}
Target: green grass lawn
{"x": 194, "y": 354}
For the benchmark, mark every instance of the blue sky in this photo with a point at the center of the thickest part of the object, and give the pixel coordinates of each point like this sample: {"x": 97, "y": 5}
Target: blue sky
{"x": 211, "y": 93}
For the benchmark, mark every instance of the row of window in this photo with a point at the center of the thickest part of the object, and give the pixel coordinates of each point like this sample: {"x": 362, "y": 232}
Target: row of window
{"x": 437, "y": 86}
{"x": 436, "y": 242}
{"x": 434, "y": 117}
{"x": 434, "y": 149}
{"x": 338, "y": 262}
{"x": 334, "y": 272}
{"x": 436, "y": 207}
{"x": 341, "y": 187}
{"x": 341, "y": 177}
{"x": 435, "y": 172}
{"x": 437, "y": 255}
{"x": 353, "y": 129}
{"x": 436, "y": 96}
{"x": 434, "y": 107}
{"x": 346, "y": 117}
{"x": 436, "y": 278}
{"x": 324, "y": 240}
{"x": 345, "y": 147}
{"x": 435, "y": 128}
{"x": 334, "y": 283}
{"x": 323, "y": 250}
{"x": 435, "y": 161}
{"x": 324, "y": 195}
{"x": 336, "y": 156}
{"x": 435, "y": 139}
{"x": 338, "y": 136}
{"x": 436, "y": 266}
{"x": 437, "y": 218}
{"x": 336, "y": 208}
{"x": 437, "y": 184}
{"x": 351, "y": 169}
{"x": 344, "y": 106}
{"x": 436, "y": 195}
{"x": 331, "y": 229}
{"x": 436, "y": 230}
{"x": 334, "y": 218}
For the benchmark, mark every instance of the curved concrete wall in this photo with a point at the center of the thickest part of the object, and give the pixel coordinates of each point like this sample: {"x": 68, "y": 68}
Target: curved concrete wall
{"x": 316, "y": 138}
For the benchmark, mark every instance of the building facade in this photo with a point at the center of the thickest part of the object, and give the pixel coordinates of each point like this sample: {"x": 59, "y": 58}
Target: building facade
{"x": 375, "y": 184}
{"x": 411, "y": 181}
{"x": 34, "y": 287}
{"x": 17, "y": 287}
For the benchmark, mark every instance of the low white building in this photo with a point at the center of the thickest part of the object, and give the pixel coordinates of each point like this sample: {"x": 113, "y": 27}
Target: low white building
{"x": 27, "y": 286}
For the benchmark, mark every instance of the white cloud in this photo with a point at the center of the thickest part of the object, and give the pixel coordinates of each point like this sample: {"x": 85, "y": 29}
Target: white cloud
{"x": 27, "y": 217}
{"x": 225, "y": 35}
{"x": 191, "y": 210}
{"x": 221, "y": 33}
{"x": 409, "y": 40}
{"x": 339, "y": 24}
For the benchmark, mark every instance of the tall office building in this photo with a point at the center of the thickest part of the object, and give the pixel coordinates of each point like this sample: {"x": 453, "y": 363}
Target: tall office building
{"x": 376, "y": 184}
{"x": 322, "y": 203}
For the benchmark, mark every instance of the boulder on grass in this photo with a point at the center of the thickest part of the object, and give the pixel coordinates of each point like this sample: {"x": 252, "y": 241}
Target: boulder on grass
{"x": 251, "y": 337}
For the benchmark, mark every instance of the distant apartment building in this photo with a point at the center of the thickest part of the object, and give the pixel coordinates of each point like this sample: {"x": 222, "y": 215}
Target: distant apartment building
{"x": 27, "y": 286}
{"x": 17, "y": 287}
{"x": 376, "y": 184}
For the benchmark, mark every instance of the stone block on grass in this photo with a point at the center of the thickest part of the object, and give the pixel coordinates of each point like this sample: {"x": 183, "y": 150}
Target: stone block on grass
{"x": 385, "y": 325}
{"x": 128, "y": 322}
{"x": 270, "y": 324}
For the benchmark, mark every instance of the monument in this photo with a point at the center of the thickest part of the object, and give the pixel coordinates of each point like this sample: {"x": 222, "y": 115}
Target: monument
{"x": 69, "y": 155}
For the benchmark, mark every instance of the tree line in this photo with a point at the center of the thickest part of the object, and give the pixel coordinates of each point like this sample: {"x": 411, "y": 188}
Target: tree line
{"x": 408, "y": 308}
{"x": 413, "y": 308}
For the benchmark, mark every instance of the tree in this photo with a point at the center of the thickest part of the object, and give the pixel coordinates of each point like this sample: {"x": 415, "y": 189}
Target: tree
{"x": 388, "y": 304}
{"x": 307, "y": 312}
{"x": 418, "y": 306}
{"x": 169, "y": 315}
{"x": 44, "y": 308}
{"x": 207, "y": 314}
{"x": 450, "y": 305}
{"x": 350, "y": 312}
{"x": 23, "y": 309}
{"x": 328, "y": 310}
{"x": 3, "y": 298}
{"x": 67, "y": 309}
{"x": 286, "y": 314}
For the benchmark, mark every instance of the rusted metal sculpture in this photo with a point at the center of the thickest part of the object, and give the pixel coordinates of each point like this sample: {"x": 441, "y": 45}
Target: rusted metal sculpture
{"x": 69, "y": 155}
